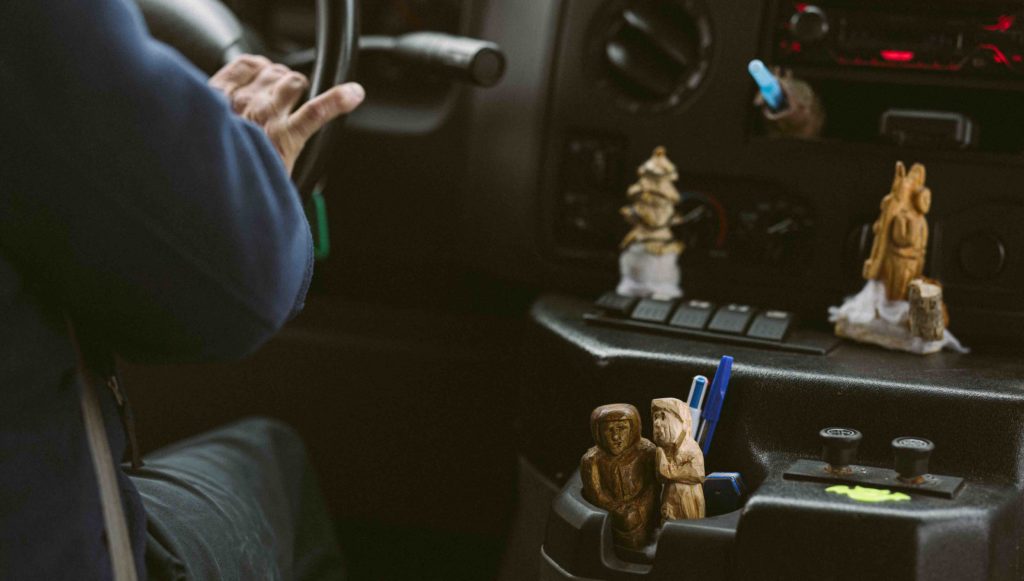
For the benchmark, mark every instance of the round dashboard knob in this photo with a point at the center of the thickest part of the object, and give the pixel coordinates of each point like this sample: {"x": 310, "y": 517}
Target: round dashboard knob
{"x": 912, "y": 456}
{"x": 809, "y": 25}
{"x": 839, "y": 446}
{"x": 982, "y": 256}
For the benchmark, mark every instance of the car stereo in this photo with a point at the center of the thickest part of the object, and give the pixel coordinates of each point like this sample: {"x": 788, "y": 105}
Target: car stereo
{"x": 955, "y": 38}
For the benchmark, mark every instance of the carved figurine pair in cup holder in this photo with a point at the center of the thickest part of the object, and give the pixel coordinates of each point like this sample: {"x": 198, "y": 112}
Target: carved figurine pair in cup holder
{"x": 643, "y": 484}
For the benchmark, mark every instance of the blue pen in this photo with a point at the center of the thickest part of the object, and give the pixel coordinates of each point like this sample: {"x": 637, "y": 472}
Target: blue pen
{"x": 769, "y": 85}
{"x": 716, "y": 398}
{"x": 695, "y": 401}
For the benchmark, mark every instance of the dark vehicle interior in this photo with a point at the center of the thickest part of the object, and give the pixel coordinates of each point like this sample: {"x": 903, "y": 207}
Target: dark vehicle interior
{"x": 450, "y": 352}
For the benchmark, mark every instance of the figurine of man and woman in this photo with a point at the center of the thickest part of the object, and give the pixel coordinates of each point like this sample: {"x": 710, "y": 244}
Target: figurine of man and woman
{"x": 622, "y": 473}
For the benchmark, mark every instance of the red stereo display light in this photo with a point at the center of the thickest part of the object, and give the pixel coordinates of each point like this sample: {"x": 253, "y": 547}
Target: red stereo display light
{"x": 897, "y": 56}
{"x": 1003, "y": 23}
{"x": 998, "y": 56}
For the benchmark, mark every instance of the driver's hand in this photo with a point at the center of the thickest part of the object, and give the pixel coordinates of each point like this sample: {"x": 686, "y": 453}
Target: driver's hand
{"x": 265, "y": 93}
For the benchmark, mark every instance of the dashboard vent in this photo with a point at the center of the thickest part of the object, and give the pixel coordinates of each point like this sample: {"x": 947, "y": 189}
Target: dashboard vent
{"x": 653, "y": 53}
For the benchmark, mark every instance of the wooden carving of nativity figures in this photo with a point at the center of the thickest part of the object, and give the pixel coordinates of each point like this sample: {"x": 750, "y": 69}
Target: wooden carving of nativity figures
{"x": 626, "y": 474}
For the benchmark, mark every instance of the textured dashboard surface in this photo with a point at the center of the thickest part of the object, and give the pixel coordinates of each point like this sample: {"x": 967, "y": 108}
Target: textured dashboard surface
{"x": 971, "y": 406}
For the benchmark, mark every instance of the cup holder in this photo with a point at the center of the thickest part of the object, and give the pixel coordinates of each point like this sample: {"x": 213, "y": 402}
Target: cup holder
{"x": 578, "y": 544}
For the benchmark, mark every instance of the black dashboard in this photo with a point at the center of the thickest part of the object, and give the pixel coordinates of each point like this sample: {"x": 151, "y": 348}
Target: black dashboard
{"x": 779, "y": 221}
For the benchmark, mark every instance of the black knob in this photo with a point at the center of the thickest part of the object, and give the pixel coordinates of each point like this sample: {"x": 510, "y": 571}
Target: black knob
{"x": 982, "y": 256}
{"x": 467, "y": 59}
{"x": 912, "y": 457}
{"x": 809, "y": 24}
{"x": 839, "y": 446}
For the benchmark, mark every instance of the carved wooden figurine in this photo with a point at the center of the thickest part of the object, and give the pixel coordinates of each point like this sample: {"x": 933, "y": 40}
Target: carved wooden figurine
{"x": 618, "y": 474}
{"x": 651, "y": 210}
{"x": 678, "y": 460}
{"x": 901, "y": 233}
{"x": 650, "y": 250}
{"x": 898, "y": 308}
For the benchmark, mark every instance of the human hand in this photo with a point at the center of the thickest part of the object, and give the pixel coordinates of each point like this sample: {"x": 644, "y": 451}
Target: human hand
{"x": 265, "y": 93}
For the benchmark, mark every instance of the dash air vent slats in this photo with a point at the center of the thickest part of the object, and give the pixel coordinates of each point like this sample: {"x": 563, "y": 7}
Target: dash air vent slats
{"x": 676, "y": 43}
{"x": 652, "y": 53}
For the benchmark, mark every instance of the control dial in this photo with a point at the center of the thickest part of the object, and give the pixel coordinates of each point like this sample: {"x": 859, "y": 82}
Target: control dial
{"x": 912, "y": 456}
{"x": 839, "y": 447}
{"x": 982, "y": 256}
{"x": 809, "y": 24}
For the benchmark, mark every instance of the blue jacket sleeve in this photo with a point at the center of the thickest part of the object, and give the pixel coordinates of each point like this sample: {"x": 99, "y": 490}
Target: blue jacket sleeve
{"x": 133, "y": 196}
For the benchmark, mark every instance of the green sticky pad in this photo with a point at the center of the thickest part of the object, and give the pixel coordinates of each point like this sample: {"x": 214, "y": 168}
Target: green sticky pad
{"x": 865, "y": 494}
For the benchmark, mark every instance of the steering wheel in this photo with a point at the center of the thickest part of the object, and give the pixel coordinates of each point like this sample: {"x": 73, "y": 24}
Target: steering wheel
{"x": 210, "y": 36}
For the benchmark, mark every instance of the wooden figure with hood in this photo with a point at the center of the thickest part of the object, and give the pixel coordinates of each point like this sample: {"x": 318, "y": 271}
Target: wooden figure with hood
{"x": 618, "y": 474}
{"x": 678, "y": 461}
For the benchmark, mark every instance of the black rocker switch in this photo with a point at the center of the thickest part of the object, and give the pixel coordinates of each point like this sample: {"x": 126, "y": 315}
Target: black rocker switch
{"x": 912, "y": 456}
{"x": 616, "y": 304}
{"x": 692, "y": 315}
{"x": 839, "y": 448}
{"x": 770, "y": 325}
{"x": 653, "y": 310}
{"x": 732, "y": 319}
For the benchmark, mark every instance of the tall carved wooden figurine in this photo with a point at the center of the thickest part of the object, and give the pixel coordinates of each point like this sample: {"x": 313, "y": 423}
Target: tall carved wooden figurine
{"x": 618, "y": 474}
{"x": 650, "y": 252}
{"x": 679, "y": 461}
{"x": 901, "y": 234}
{"x": 886, "y": 312}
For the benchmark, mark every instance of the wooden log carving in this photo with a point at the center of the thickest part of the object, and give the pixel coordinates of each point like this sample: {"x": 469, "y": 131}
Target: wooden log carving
{"x": 927, "y": 311}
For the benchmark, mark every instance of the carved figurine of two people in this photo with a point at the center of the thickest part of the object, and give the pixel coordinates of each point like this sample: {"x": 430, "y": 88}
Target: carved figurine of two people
{"x": 625, "y": 472}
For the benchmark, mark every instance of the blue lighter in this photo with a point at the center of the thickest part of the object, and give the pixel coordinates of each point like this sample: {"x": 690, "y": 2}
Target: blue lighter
{"x": 769, "y": 85}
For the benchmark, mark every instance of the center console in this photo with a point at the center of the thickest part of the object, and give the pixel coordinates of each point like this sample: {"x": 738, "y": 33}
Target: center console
{"x": 931, "y": 488}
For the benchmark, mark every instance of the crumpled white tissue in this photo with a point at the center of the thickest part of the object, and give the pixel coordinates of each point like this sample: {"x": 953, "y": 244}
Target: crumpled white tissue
{"x": 873, "y": 311}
